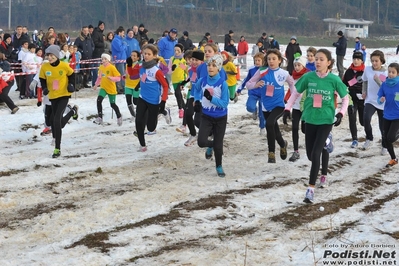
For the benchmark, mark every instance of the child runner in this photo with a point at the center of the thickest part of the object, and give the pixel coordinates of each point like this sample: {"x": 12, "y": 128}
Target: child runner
{"x": 270, "y": 79}
{"x": 353, "y": 80}
{"x": 108, "y": 75}
{"x": 299, "y": 71}
{"x": 56, "y": 79}
{"x": 153, "y": 95}
{"x": 187, "y": 56}
{"x": 178, "y": 70}
{"x": 254, "y": 95}
{"x": 319, "y": 111}
{"x": 389, "y": 93}
{"x": 133, "y": 65}
{"x": 196, "y": 59}
{"x": 213, "y": 92}
{"x": 372, "y": 77}
{"x": 310, "y": 54}
{"x": 231, "y": 71}
{"x": 6, "y": 82}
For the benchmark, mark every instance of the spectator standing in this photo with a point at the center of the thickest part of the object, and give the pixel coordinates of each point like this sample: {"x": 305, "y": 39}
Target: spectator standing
{"x": 242, "y": 52}
{"x": 98, "y": 40}
{"x": 291, "y": 52}
{"x": 273, "y": 44}
{"x": 206, "y": 39}
{"x": 167, "y": 44}
{"x": 340, "y": 51}
{"x": 118, "y": 47}
{"x": 358, "y": 45}
{"x": 186, "y": 42}
{"x": 85, "y": 46}
{"x": 143, "y": 33}
{"x": 107, "y": 42}
{"x": 227, "y": 39}
{"x": 265, "y": 42}
{"x": 131, "y": 43}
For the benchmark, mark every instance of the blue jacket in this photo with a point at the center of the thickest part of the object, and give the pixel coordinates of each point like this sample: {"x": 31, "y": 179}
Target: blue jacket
{"x": 132, "y": 45}
{"x": 276, "y": 79}
{"x": 118, "y": 48}
{"x": 217, "y": 107}
{"x": 166, "y": 47}
{"x": 390, "y": 90}
{"x": 251, "y": 73}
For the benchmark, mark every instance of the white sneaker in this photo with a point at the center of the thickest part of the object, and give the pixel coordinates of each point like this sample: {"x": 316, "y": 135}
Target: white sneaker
{"x": 384, "y": 151}
{"x": 181, "y": 129}
{"x": 168, "y": 118}
{"x": 367, "y": 144}
{"x": 191, "y": 140}
{"x": 119, "y": 121}
{"x": 98, "y": 121}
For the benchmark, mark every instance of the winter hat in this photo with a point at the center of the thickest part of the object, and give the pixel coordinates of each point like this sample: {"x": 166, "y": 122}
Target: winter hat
{"x": 173, "y": 30}
{"x": 53, "y": 49}
{"x": 340, "y": 33}
{"x": 301, "y": 60}
{"x": 207, "y": 34}
{"x": 198, "y": 54}
{"x": 141, "y": 25}
{"x": 358, "y": 55}
{"x": 217, "y": 59}
{"x": 6, "y": 36}
{"x": 230, "y": 31}
{"x": 101, "y": 22}
{"x": 129, "y": 30}
{"x": 264, "y": 34}
{"x": 271, "y": 37}
{"x": 106, "y": 56}
{"x": 293, "y": 37}
{"x": 185, "y": 33}
{"x": 35, "y": 32}
{"x": 180, "y": 46}
{"x": 90, "y": 26}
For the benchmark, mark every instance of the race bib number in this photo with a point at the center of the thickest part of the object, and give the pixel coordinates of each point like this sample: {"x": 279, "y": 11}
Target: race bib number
{"x": 270, "y": 90}
{"x": 56, "y": 85}
{"x": 144, "y": 77}
{"x": 317, "y": 100}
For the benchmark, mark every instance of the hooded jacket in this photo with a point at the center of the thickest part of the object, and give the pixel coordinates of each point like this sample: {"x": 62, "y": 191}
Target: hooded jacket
{"x": 98, "y": 41}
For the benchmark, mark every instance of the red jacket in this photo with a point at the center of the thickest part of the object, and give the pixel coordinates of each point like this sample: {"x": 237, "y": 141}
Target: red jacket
{"x": 242, "y": 47}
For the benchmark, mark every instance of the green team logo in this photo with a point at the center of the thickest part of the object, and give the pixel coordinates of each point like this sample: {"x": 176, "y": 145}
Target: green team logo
{"x": 107, "y": 72}
{"x": 60, "y": 72}
{"x": 48, "y": 73}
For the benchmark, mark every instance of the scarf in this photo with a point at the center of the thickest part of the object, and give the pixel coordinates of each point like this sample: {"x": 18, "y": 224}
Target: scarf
{"x": 392, "y": 82}
{"x": 297, "y": 75}
{"x": 149, "y": 64}
{"x": 179, "y": 57}
{"x": 357, "y": 68}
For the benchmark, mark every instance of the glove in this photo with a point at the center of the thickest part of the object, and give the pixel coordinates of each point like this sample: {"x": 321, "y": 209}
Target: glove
{"x": 207, "y": 95}
{"x": 39, "y": 104}
{"x": 173, "y": 67}
{"x": 162, "y": 107}
{"x": 129, "y": 62}
{"x": 197, "y": 106}
{"x": 45, "y": 91}
{"x": 287, "y": 114}
{"x": 71, "y": 88}
{"x": 339, "y": 119}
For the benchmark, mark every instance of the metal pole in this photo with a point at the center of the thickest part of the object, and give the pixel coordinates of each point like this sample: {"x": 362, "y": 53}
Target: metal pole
{"x": 9, "y": 14}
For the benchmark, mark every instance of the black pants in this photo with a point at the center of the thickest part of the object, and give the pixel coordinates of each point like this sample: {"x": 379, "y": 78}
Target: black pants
{"x": 356, "y": 109}
{"x": 296, "y": 119}
{"x": 272, "y": 129}
{"x": 188, "y": 117}
{"x": 218, "y": 127}
{"x": 4, "y": 95}
{"x": 391, "y": 128}
{"x": 58, "y": 107}
{"x": 146, "y": 115}
{"x": 100, "y": 107}
{"x": 315, "y": 140}
{"x": 369, "y": 111}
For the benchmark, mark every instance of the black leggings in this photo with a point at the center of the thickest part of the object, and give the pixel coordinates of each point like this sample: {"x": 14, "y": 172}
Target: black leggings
{"x": 272, "y": 129}
{"x": 315, "y": 140}
{"x": 296, "y": 118}
{"x": 146, "y": 114}
{"x": 58, "y": 107}
{"x": 218, "y": 127}
{"x": 369, "y": 111}
{"x": 4, "y": 95}
{"x": 391, "y": 128}
{"x": 188, "y": 117}
{"x": 100, "y": 107}
{"x": 356, "y": 109}
{"x": 179, "y": 96}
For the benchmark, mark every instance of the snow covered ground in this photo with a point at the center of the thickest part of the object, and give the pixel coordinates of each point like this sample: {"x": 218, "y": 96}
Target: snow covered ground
{"x": 104, "y": 203}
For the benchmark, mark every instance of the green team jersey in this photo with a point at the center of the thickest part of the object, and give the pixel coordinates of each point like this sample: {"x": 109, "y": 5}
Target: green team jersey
{"x": 319, "y": 103}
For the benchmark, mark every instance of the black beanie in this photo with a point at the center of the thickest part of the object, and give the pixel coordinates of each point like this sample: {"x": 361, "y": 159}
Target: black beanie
{"x": 198, "y": 54}
{"x": 141, "y": 25}
{"x": 101, "y": 22}
{"x": 6, "y": 36}
{"x": 358, "y": 55}
{"x": 180, "y": 46}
